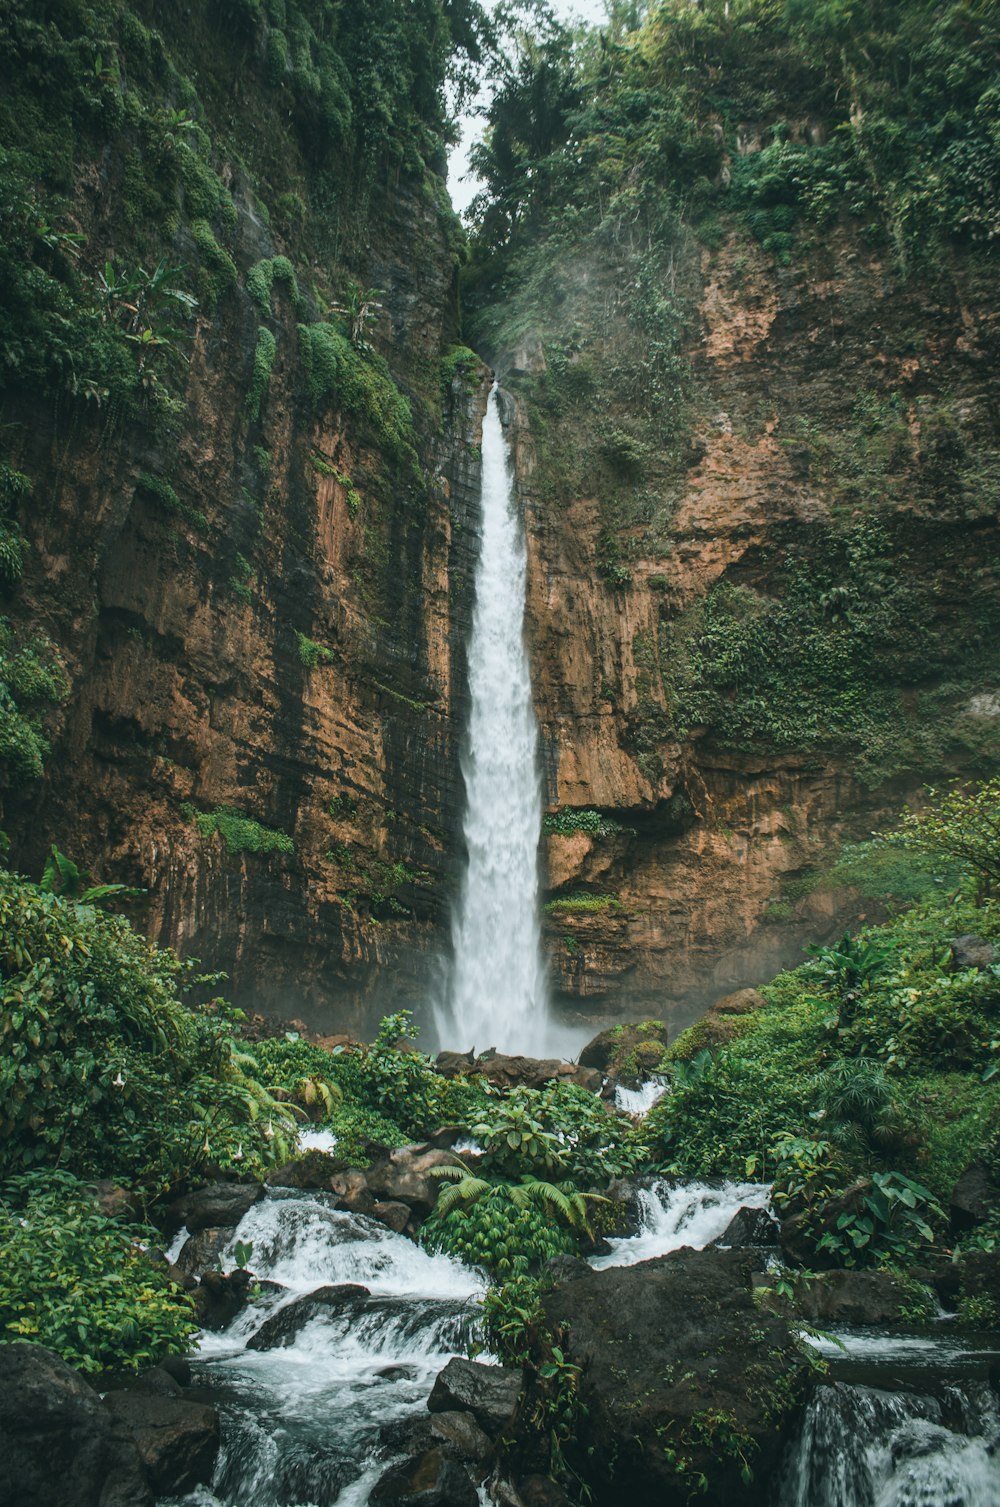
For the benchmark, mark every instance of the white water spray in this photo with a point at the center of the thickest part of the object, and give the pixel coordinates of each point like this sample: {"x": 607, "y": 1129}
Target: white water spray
{"x": 498, "y": 994}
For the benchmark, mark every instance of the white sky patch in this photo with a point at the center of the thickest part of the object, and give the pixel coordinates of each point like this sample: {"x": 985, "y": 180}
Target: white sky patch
{"x": 462, "y": 185}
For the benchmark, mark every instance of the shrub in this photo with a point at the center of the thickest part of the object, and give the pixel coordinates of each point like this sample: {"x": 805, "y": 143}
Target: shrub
{"x": 506, "y": 1229}
{"x": 103, "y": 1069}
{"x": 263, "y": 360}
{"x": 79, "y": 1282}
{"x": 32, "y": 682}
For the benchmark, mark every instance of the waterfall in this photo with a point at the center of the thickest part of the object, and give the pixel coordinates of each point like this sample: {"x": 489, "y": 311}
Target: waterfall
{"x": 497, "y": 995}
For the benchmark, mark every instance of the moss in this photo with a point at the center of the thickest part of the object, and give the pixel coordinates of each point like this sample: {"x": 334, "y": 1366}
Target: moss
{"x": 218, "y": 270}
{"x": 312, "y": 654}
{"x": 460, "y": 364}
{"x": 360, "y": 384}
{"x": 240, "y": 833}
{"x": 582, "y": 904}
{"x": 263, "y": 360}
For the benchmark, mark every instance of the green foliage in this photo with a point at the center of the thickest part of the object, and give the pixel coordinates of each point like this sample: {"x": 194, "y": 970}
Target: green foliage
{"x": 218, "y": 270}
{"x": 891, "y": 1223}
{"x": 103, "y": 1070}
{"x": 460, "y": 364}
{"x": 506, "y": 1229}
{"x": 15, "y": 488}
{"x": 32, "y": 683}
{"x": 581, "y": 903}
{"x": 79, "y": 1282}
{"x": 312, "y": 654}
{"x": 263, "y": 359}
{"x": 560, "y": 1129}
{"x": 358, "y": 383}
{"x": 571, "y": 820}
{"x": 262, "y": 277}
{"x": 962, "y": 824}
{"x": 240, "y": 833}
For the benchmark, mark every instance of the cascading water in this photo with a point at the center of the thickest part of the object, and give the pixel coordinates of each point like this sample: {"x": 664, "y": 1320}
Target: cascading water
{"x": 307, "y": 1395}
{"x": 497, "y": 993}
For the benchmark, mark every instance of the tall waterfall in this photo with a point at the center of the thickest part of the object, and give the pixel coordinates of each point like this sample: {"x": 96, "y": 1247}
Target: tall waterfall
{"x": 497, "y": 993}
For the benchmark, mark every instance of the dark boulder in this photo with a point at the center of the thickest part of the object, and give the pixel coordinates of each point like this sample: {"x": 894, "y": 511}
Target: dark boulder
{"x": 973, "y": 952}
{"x": 846, "y": 1297}
{"x": 406, "y": 1176}
{"x": 393, "y": 1214}
{"x": 203, "y": 1251}
{"x": 751, "y": 1228}
{"x": 283, "y": 1327}
{"x": 314, "y": 1169}
{"x": 218, "y": 1299}
{"x": 178, "y": 1441}
{"x": 459, "y": 1434}
{"x": 973, "y": 1197}
{"x": 58, "y": 1442}
{"x": 566, "y": 1268}
{"x": 489, "y": 1393}
{"x": 541, "y": 1491}
{"x": 430, "y": 1479}
{"x": 675, "y": 1360}
{"x": 218, "y": 1204}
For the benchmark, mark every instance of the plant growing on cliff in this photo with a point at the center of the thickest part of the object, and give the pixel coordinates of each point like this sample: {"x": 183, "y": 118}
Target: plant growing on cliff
{"x": 32, "y": 683}
{"x": 359, "y": 308}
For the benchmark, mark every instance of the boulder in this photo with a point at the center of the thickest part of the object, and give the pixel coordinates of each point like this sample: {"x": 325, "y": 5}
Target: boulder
{"x": 58, "y": 1441}
{"x": 314, "y": 1169}
{"x": 489, "y": 1393}
{"x": 202, "y": 1252}
{"x": 178, "y": 1441}
{"x": 405, "y": 1176}
{"x": 430, "y": 1479}
{"x": 631, "y": 1051}
{"x": 541, "y": 1491}
{"x": 459, "y": 1434}
{"x": 219, "y": 1204}
{"x": 218, "y": 1298}
{"x": 973, "y": 1197}
{"x": 751, "y": 1228}
{"x": 115, "y": 1201}
{"x": 667, "y": 1349}
{"x": 351, "y": 1187}
{"x": 973, "y": 952}
{"x": 395, "y": 1216}
{"x": 283, "y": 1327}
{"x": 850, "y": 1297}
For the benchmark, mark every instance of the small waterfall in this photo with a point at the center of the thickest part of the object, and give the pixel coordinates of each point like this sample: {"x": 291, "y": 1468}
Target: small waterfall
{"x": 676, "y": 1214}
{"x": 306, "y": 1409}
{"x": 498, "y": 995}
{"x": 863, "y": 1447}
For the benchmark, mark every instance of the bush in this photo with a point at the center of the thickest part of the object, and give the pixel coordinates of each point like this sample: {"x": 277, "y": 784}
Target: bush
{"x": 503, "y": 1234}
{"x": 103, "y": 1069}
{"x": 79, "y": 1282}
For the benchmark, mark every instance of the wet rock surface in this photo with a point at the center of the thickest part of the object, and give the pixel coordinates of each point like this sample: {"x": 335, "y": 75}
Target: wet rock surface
{"x": 663, "y": 1347}
{"x": 430, "y": 1479}
{"x": 283, "y": 1327}
{"x": 58, "y": 1441}
{"x": 177, "y": 1440}
{"x": 216, "y": 1206}
{"x": 489, "y": 1393}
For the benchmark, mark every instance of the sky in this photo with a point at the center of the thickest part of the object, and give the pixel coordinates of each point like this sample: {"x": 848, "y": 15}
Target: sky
{"x": 461, "y": 185}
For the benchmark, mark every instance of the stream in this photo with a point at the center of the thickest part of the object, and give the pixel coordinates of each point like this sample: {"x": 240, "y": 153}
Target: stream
{"x": 902, "y": 1420}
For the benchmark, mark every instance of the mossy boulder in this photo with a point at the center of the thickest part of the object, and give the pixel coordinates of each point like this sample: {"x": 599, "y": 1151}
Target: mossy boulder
{"x": 690, "y": 1392}
{"x": 627, "y": 1051}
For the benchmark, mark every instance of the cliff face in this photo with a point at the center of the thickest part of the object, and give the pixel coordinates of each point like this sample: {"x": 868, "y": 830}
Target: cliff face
{"x": 255, "y": 582}
{"x": 713, "y": 879}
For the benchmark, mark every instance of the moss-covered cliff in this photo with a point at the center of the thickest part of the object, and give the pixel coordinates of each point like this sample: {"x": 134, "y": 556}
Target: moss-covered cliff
{"x": 238, "y": 468}
{"x": 738, "y": 264}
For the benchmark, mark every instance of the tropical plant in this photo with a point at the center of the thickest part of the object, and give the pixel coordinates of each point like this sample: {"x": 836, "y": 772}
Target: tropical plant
{"x": 359, "y": 308}
{"x": 507, "y": 1229}
{"x": 61, "y": 876}
{"x": 80, "y": 1282}
{"x": 849, "y": 967}
{"x": 961, "y": 823}
{"x": 889, "y": 1223}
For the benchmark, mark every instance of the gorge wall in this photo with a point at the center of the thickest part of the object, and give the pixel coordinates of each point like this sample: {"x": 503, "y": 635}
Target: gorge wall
{"x": 759, "y": 476}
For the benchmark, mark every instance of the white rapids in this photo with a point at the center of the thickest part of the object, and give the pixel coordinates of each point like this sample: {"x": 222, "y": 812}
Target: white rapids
{"x": 303, "y": 1421}
{"x": 497, "y": 993}
{"x": 677, "y": 1214}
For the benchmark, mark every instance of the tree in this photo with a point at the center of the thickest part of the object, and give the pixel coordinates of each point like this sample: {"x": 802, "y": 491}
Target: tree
{"x": 963, "y": 823}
